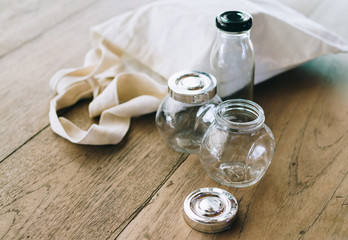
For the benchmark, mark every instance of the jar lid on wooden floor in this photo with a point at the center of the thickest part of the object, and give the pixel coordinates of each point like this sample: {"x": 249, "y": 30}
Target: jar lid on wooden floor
{"x": 210, "y": 210}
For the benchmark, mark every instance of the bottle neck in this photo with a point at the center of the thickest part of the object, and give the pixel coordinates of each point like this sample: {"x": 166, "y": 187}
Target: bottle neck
{"x": 240, "y": 116}
{"x": 233, "y": 35}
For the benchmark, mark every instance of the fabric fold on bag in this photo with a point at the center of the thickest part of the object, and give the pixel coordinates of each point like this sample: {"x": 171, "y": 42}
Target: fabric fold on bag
{"x": 118, "y": 96}
{"x": 134, "y": 52}
{"x": 115, "y": 108}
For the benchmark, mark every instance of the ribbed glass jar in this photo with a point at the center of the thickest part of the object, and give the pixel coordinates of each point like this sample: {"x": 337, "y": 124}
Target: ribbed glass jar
{"x": 238, "y": 147}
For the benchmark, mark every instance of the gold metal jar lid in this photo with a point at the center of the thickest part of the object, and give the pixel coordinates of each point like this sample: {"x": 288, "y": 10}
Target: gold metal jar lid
{"x": 210, "y": 210}
{"x": 192, "y": 86}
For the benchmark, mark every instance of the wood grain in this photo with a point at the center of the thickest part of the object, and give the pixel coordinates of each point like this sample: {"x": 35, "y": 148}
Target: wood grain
{"x": 67, "y": 191}
{"x": 22, "y": 22}
{"x": 61, "y": 41}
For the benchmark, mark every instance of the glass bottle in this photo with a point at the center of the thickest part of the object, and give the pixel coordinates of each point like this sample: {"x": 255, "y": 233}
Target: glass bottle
{"x": 238, "y": 147}
{"x": 187, "y": 111}
{"x": 232, "y": 56}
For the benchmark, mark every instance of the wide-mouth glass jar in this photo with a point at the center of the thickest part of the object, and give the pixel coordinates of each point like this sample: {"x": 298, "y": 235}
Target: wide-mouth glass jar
{"x": 187, "y": 111}
{"x": 238, "y": 147}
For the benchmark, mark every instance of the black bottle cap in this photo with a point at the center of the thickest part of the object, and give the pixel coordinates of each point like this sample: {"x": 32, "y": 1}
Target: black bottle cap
{"x": 234, "y": 21}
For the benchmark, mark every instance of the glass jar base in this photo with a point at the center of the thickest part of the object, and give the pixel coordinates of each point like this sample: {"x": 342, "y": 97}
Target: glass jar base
{"x": 217, "y": 177}
{"x": 235, "y": 174}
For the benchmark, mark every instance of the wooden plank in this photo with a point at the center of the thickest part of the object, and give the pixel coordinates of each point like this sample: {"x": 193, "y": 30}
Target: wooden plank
{"x": 51, "y": 188}
{"x": 25, "y": 21}
{"x": 332, "y": 221}
{"x": 25, "y": 73}
{"x": 303, "y": 194}
{"x": 162, "y": 217}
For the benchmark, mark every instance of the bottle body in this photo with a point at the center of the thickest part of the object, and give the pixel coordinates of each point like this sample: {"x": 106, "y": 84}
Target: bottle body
{"x": 238, "y": 147}
{"x": 233, "y": 64}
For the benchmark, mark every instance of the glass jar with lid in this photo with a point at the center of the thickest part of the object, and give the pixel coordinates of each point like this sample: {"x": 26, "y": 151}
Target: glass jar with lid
{"x": 238, "y": 147}
{"x": 187, "y": 111}
{"x": 232, "y": 56}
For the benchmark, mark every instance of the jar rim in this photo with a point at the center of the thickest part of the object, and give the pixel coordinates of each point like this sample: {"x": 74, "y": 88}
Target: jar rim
{"x": 225, "y": 110}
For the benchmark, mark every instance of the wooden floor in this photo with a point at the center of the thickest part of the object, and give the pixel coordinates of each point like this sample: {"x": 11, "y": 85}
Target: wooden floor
{"x": 53, "y": 189}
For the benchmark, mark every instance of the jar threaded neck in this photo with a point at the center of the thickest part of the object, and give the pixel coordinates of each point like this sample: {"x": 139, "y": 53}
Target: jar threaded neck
{"x": 240, "y": 115}
{"x": 243, "y": 34}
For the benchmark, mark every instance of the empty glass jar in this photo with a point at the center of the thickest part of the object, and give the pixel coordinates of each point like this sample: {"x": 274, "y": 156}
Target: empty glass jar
{"x": 187, "y": 111}
{"x": 238, "y": 147}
